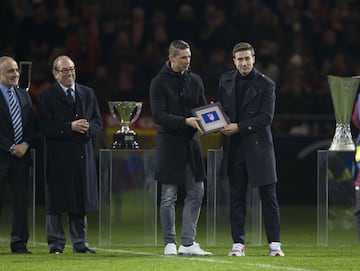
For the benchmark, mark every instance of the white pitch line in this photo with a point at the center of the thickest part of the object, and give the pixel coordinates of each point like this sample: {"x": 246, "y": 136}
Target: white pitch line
{"x": 199, "y": 259}
{"x": 204, "y": 259}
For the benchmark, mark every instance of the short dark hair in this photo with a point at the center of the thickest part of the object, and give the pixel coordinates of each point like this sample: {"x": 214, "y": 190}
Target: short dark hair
{"x": 177, "y": 45}
{"x": 243, "y": 46}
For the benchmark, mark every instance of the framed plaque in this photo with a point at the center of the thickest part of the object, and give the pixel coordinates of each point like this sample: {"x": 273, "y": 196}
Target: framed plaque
{"x": 212, "y": 117}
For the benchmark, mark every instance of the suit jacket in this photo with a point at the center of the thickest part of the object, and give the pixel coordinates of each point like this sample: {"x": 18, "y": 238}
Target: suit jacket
{"x": 7, "y": 131}
{"x": 255, "y": 114}
{"x": 172, "y": 96}
{"x": 71, "y": 178}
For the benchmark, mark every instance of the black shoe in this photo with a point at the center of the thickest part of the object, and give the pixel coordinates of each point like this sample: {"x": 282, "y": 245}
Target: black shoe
{"x": 21, "y": 251}
{"x": 85, "y": 250}
{"x": 55, "y": 250}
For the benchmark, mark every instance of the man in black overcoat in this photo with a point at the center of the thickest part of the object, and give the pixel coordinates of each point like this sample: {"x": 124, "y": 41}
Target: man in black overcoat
{"x": 174, "y": 92}
{"x": 69, "y": 119}
{"x": 248, "y": 98}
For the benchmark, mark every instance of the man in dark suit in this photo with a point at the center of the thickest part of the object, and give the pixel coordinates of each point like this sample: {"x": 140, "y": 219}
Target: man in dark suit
{"x": 248, "y": 98}
{"x": 173, "y": 93}
{"x": 69, "y": 119}
{"x": 16, "y": 134}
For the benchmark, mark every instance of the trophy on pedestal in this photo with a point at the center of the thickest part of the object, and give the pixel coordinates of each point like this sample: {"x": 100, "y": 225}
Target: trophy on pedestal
{"x": 127, "y": 112}
{"x": 343, "y": 93}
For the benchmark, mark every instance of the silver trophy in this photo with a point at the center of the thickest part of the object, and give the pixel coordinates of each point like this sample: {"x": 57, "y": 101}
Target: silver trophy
{"x": 343, "y": 93}
{"x": 127, "y": 112}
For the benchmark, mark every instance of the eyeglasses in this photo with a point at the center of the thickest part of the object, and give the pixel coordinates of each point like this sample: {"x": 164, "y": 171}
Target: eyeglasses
{"x": 66, "y": 70}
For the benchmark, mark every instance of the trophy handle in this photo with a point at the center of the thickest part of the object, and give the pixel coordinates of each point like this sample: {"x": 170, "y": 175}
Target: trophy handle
{"x": 112, "y": 109}
{"x": 137, "y": 112}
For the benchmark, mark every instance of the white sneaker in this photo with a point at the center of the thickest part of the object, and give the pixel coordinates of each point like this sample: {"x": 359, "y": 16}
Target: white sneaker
{"x": 170, "y": 250}
{"x": 275, "y": 249}
{"x": 238, "y": 250}
{"x": 193, "y": 250}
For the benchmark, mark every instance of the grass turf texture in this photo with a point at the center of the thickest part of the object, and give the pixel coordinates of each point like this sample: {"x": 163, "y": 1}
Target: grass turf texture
{"x": 298, "y": 238}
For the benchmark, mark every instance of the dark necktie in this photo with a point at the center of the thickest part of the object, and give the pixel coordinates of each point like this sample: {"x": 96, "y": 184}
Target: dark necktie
{"x": 69, "y": 96}
{"x": 15, "y": 116}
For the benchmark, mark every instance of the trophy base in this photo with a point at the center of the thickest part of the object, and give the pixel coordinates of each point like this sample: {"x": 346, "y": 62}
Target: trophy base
{"x": 342, "y": 140}
{"x": 342, "y": 147}
{"x": 125, "y": 140}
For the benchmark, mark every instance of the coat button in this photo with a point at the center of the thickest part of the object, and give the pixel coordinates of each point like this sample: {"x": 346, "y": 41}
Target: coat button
{"x": 249, "y": 128}
{"x": 82, "y": 157}
{"x": 61, "y": 132}
{"x": 251, "y": 112}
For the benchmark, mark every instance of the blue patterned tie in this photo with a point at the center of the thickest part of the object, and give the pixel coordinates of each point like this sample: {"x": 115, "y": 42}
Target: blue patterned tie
{"x": 15, "y": 116}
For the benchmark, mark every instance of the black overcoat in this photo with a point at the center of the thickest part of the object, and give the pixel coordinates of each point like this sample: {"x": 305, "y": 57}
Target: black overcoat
{"x": 172, "y": 97}
{"x": 255, "y": 113}
{"x": 71, "y": 179}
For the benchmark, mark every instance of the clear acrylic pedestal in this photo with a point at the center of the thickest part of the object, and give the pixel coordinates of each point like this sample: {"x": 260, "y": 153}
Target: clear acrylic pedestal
{"x": 335, "y": 199}
{"x": 218, "y": 208}
{"x": 128, "y": 198}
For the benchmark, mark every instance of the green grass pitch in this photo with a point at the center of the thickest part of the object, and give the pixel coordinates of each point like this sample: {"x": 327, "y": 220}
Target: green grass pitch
{"x": 299, "y": 238}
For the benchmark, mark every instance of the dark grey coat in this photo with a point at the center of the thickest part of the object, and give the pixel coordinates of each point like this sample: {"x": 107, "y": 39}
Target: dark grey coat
{"x": 71, "y": 180}
{"x": 172, "y": 96}
{"x": 256, "y": 115}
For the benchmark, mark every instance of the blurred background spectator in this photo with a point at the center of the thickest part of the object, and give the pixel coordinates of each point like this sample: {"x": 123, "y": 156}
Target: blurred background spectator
{"x": 119, "y": 46}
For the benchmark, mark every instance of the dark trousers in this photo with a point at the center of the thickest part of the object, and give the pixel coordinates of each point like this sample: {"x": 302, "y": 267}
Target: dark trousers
{"x": 77, "y": 224}
{"x": 238, "y": 179}
{"x": 16, "y": 177}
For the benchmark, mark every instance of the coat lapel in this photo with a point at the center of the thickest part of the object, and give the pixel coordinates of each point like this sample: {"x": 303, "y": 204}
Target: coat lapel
{"x": 79, "y": 96}
{"x": 251, "y": 92}
{"x": 231, "y": 92}
{"x": 4, "y": 107}
{"x": 62, "y": 96}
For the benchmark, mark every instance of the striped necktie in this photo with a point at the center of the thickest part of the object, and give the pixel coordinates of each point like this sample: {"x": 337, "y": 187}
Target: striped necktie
{"x": 15, "y": 116}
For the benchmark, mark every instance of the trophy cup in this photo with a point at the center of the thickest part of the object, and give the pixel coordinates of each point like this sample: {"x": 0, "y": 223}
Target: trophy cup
{"x": 127, "y": 112}
{"x": 343, "y": 93}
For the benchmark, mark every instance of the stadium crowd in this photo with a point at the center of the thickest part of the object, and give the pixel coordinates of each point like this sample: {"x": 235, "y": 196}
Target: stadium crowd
{"x": 120, "y": 45}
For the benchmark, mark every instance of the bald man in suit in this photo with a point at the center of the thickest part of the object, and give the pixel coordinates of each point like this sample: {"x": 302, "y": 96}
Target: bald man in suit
{"x": 15, "y": 136}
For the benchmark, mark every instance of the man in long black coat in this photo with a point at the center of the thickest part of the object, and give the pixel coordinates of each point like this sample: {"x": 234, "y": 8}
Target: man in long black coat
{"x": 174, "y": 92}
{"x": 248, "y": 98}
{"x": 14, "y": 152}
{"x": 69, "y": 119}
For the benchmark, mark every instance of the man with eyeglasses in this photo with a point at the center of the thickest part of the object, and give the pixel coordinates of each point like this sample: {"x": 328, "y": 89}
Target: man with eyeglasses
{"x": 248, "y": 98}
{"x": 69, "y": 119}
{"x": 16, "y": 134}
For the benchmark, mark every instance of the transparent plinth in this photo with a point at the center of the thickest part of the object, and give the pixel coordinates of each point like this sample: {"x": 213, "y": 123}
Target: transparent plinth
{"x": 128, "y": 198}
{"x": 335, "y": 198}
{"x": 218, "y": 207}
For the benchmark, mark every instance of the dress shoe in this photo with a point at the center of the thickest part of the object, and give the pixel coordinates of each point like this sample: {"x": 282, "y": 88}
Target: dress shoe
{"x": 55, "y": 250}
{"x": 21, "y": 251}
{"x": 85, "y": 250}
